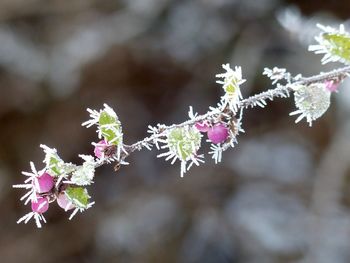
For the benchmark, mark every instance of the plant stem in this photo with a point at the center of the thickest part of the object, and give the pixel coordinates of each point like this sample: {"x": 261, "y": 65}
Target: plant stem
{"x": 281, "y": 91}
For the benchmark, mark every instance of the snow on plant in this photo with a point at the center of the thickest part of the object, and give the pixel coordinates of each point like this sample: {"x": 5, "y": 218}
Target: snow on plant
{"x": 232, "y": 79}
{"x": 333, "y": 43}
{"x": 312, "y": 101}
{"x": 84, "y": 174}
{"x": 108, "y": 127}
{"x": 66, "y": 183}
{"x": 277, "y": 74}
{"x": 182, "y": 144}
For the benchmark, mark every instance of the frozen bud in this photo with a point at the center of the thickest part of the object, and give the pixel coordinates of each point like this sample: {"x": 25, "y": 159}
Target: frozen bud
{"x": 202, "y": 126}
{"x": 44, "y": 183}
{"x": 331, "y": 85}
{"x": 99, "y": 148}
{"x": 40, "y": 205}
{"x": 218, "y": 133}
{"x": 64, "y": 202}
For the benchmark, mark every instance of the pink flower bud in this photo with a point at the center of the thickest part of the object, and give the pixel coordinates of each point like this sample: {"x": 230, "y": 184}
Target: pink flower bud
{"x": 99, "y": 148}
{"x": 331, "y": 85}
{"x": 218, "y": 133}
{"x": 44, "y": 183}
{"x": 202, "y": 126}
{"x": 64, "y": 202}
{"x": 41, "y": 205}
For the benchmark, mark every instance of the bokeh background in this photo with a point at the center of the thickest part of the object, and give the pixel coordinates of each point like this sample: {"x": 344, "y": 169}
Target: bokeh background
{"x": 282, "y": 195}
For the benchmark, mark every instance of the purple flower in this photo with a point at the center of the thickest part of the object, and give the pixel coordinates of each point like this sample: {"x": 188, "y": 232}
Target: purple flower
{"x": 218, "y": 133}
{"x": 41, "y": 205}
{"x": 44, "y": 183}
{"x": 64, "y": 202}
{"x": 331, "y": 85}
{"x": 99, "y": 148}
{"x": 202, "y": 126}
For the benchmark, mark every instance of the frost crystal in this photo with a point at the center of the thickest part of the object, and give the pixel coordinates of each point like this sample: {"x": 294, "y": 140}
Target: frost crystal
{"x": 191, "y": 114}
{"x": 276, "y": 74}
{"x": 84, "y": 174}
{"x": 37, "y": 217}
{"x": 30, "y": 184}
{"x": 232, "y": 79}
{"x": 216, "y": 152}
{"x": 312, "y": 101}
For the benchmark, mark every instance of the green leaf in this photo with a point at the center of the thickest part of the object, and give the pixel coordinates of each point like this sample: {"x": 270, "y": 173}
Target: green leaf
{"x": 106, "y": 118}
{"x": 338, "y": 45}
{"x": 111, "y": 135}
{"x": 110, "y": 128}
{"x": 232, "y": 86}
{"x": 78, "y": 196}
{"x": 54, "y": 164}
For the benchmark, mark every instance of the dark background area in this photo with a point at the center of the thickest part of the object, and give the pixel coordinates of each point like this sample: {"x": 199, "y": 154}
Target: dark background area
{"x": 281, "y": 195}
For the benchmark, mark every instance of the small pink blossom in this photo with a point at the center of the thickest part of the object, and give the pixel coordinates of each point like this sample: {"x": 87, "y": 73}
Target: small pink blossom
{"x": 202, "y": 126}
{"x": 99, "y": 148}
{"x": 40, "y": 205}
{"x": 332, "y": 85}
{"x": 44, "y": 183}
{"x": 218, "y": 133}
{"x": 64, "y": 202}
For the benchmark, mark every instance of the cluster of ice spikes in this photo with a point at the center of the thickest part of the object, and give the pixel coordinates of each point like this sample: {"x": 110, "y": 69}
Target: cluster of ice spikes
{"x": 65, "y": 183}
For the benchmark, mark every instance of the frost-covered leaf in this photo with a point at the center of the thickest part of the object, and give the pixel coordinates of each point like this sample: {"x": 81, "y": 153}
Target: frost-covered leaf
{"x": 84, "y": 174}
{"x": 78, "y": 196}
{"x": 339, "y": 45}
{"x": 231, "y": 81}
{"x": 54, "y": 164}
{"x": 110, "y": 127}
{"x": 334, "y": 43}
{"x": 184, "y": 142}
{"x": 312, "y": 101}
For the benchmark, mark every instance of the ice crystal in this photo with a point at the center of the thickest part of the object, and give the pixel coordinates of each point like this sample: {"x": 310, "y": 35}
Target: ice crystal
{"x": 37, "y": 217}
{"x": 30, "y": 184}
{"x": 84, "y": 174}
{"x": 216, "y": 152}
{"x": 276, "y": 74}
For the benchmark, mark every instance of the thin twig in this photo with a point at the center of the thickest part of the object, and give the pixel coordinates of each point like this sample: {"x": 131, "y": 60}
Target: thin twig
{"x": 281, "y": 91}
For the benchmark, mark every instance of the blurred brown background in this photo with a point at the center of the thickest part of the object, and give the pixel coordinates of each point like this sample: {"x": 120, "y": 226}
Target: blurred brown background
{"x": 282, "y": 195}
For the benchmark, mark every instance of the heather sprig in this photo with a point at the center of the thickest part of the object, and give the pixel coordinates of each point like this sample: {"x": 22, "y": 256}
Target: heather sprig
{"x": 181, "y": 143}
